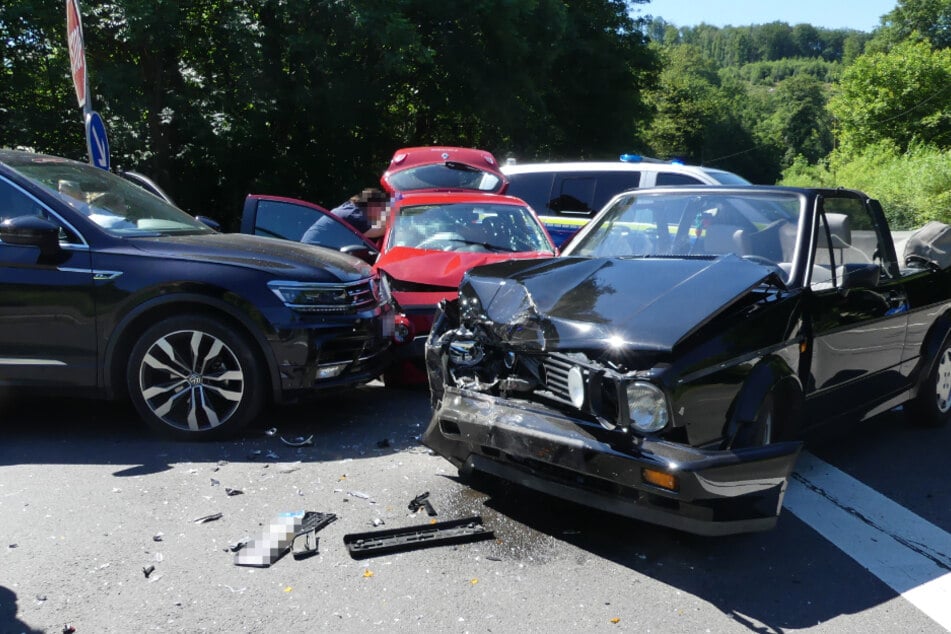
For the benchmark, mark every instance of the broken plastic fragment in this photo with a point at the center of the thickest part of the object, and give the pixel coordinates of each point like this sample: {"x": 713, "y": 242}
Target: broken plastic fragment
{"x": 232, "y": 492}
{"x": 300, "y": 441}
{"x": 157, "y": 537}
{"x": 359, "y": 494}
{"x": 214, "y": 482}
{"x": 148, "y": 570}
{"x": 238, "y": 545}
{"x": 378, "y": 522}
{"x": 207, "y": 518}
{"x": 69, "y": 629}
{"x": 280, "y": 536}
{"x": 422, "y": 501}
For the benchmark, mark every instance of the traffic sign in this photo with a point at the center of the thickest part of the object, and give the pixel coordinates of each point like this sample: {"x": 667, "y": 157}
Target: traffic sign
{"x": 96, "y": 141}
{"x": 77, "y": 52}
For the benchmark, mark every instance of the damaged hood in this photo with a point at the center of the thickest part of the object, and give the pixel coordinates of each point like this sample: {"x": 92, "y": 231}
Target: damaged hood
{"x": 584, "y": 303}
{"x": 442, "y": 269}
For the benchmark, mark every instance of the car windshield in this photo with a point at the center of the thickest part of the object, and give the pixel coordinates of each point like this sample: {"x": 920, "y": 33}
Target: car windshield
{"x": 478, "y": 227}
{"x": 448, "y": 175}
{"x": 115, "y": 204}
{"x": 759, "y": 225}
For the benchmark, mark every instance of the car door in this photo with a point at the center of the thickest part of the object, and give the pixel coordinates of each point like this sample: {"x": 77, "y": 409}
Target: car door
{"x": 857, "y": 309}
{"x": 47, "y": 305}
{"x": 289, "y": 218}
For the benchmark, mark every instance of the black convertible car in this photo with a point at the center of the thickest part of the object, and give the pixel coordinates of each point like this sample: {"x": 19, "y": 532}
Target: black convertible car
{"x": 664, "y": 367}
{"x": 109, "y": 290}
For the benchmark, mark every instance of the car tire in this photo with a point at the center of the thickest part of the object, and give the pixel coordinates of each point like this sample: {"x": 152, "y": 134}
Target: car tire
{"x": 932, "y": 406}
{"x": 762, "y": 431}
{"x": 194, "y": 377}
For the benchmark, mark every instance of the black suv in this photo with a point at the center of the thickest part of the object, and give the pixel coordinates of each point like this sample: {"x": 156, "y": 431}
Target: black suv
{"x": 107, "y": 289}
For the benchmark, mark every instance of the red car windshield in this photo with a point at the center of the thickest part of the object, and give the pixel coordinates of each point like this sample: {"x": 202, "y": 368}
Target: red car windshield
{"x": 473, "y": 227}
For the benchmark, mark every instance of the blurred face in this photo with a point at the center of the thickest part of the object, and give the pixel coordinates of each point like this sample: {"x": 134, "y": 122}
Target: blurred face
{"x": 376, "y": 212}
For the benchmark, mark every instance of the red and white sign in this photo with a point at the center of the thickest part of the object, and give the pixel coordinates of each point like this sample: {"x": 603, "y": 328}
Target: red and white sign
{"x": 77, "y": 53}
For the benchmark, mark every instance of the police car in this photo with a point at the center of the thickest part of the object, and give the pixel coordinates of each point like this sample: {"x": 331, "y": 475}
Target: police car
{"x": 566, "y": 195}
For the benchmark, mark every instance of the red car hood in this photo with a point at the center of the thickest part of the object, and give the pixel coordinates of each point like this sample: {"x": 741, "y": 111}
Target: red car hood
{"x": 421, "y": 267}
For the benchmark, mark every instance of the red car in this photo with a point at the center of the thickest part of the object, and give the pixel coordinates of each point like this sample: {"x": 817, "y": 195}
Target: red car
{"x": 432, "y": 239}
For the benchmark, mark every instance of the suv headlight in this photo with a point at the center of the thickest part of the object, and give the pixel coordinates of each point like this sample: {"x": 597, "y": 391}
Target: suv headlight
{"x": 647, "y": 407}
{"x": 311, "y": 297}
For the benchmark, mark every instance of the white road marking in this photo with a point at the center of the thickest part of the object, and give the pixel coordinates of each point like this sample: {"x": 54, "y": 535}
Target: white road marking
{"x": 909, "y": 554}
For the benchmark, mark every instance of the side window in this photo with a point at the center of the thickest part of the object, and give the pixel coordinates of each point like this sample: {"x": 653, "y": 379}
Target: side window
{"x": 14, "y": 202}
{"x": 535, "y": 189}
{"x": 585, "y": 194}
{"x": 847, "y": 240}
{"x": 283, "y": 220}
{"x": 674, "y": 178}
{"x": 612, "y": 183}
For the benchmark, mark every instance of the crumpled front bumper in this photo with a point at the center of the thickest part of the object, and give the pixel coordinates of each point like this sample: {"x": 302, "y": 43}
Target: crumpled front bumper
{"x": 719, "y": 492}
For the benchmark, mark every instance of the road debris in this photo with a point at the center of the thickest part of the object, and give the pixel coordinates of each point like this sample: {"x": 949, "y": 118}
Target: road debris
{"x": 422, "y": 501}
{"x": 157, "y": 537}
{"x": 470, "y": 529}
{"x": 147, "y": 570}
{"x": 215, "y": 483}
{"x": 280, "y": 537}
{"x": 233, "y": 492}
{"x": 207, "y": 518}
{"x": 300, "y": 441}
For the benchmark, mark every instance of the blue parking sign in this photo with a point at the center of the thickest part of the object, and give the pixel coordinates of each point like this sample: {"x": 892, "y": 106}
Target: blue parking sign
{"x": 96, "y": 141}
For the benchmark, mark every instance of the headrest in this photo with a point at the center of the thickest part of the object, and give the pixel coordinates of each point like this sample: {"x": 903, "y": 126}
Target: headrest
{"x": 840, "y": 230}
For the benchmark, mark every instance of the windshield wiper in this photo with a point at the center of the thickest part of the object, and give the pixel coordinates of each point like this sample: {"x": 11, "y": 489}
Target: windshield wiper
{"x": 462, "y": 167}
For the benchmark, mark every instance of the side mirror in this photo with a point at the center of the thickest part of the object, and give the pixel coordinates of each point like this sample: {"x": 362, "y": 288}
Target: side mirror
{"x": 205, "y": 220}
{"x": 860, "y": 275}
{"x": 31, "y": 231}
{"x": 361, "y": 251}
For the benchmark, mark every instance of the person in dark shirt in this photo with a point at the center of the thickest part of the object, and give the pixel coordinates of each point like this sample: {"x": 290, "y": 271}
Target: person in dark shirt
{"x": 365, "y": 212}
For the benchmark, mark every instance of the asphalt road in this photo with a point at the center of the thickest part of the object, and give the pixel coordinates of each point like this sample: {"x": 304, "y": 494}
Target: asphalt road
{"x": 85, "y": 492}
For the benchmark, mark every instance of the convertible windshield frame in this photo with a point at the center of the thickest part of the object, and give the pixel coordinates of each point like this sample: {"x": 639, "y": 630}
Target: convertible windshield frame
{"x": 762, "y": 226}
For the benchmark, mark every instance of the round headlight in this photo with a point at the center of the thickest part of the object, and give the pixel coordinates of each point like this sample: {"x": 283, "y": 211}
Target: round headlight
{"x": 647, "y": 407}
{"x": 576, "y": 386}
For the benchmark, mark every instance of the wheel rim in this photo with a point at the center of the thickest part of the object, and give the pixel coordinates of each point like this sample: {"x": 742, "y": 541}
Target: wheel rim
{"x": 191, "y": 380}
{"x": 943, "y": 383}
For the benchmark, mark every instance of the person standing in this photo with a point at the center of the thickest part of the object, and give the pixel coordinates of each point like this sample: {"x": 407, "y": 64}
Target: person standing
{"x": 366, "y": 212}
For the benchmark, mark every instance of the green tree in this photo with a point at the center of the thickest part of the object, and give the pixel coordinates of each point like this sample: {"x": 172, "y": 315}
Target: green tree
{"x": 902, "y": 96}
{"x": 915, "y": 19}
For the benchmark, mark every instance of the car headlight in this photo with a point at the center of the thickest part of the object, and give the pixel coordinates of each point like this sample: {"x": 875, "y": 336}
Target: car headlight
{"x": 647, "y": 407}
{"x": 313, "y": 297}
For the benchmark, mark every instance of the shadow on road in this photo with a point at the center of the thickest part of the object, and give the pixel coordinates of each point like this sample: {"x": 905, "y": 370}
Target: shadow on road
{"x": 365, "y": 421}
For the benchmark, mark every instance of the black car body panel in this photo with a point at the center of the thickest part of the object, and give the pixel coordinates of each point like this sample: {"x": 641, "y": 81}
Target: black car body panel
{"x": 665, "y": 367}
{"x": 558, "y": 296}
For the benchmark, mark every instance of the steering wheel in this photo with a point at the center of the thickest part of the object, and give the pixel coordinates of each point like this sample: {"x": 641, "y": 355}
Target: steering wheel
{"x": 442, "y": 241}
